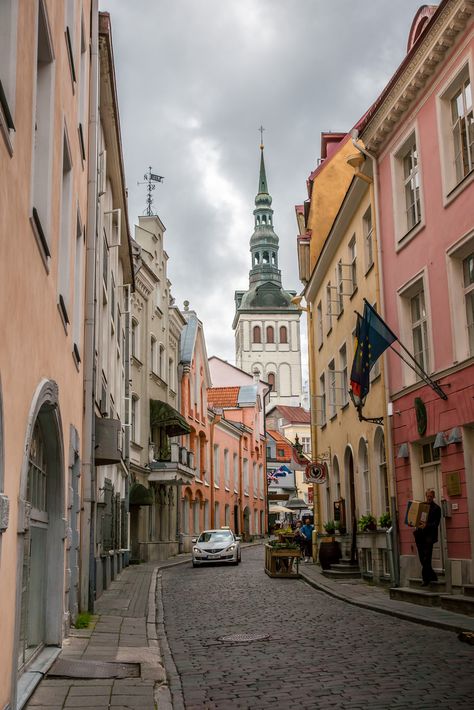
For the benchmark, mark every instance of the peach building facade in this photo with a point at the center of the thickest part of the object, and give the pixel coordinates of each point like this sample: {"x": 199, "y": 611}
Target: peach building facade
{"x": 44, "y": 71}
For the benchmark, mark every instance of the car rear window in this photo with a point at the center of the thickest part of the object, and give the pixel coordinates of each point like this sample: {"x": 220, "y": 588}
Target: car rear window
{"x": 224, "y": 536}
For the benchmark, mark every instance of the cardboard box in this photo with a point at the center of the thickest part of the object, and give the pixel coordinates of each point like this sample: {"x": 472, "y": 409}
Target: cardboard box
{"x": 417, "y": 512}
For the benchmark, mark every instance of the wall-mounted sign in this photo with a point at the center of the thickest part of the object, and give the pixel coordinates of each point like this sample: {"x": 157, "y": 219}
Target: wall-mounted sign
{"x": 421, "y": 417}
{"x": 316, "y": 472}
{"x": 453, "y": 483}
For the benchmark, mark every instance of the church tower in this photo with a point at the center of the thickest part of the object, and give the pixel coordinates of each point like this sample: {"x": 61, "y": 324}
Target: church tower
{"x": 266, "y": 323}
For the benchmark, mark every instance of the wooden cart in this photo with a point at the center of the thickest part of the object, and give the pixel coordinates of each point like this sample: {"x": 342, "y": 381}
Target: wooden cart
{"x": 282, "y": 561}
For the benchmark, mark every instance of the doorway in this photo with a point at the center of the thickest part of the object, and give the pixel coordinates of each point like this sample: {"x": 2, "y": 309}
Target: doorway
{"x": 431, "y": 478}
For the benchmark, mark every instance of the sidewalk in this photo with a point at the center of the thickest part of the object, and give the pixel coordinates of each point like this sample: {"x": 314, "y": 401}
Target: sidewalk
{"x": 117, "y": 661}
{"x": 368, "y": 596}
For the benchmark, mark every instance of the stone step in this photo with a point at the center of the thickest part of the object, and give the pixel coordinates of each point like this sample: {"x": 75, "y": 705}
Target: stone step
{"x": 459, "y": 603}
{"x": 468, "y": 590}
{"x": 439, "y": 587}
{"x": 342, "y": 567}
{"x": 342, "y": 573}
{"x": 415, "y": 596}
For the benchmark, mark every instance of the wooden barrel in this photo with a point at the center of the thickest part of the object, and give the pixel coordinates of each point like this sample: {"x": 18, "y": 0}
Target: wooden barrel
{"x": 329, "y": 554}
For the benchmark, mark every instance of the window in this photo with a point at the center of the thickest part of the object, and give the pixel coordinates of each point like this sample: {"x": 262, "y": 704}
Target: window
{"x": 153, "y": 354}
{"x": 217, "y": 473}
{"x": 78, "y": 289}
{"x": 364, "y": 469}
{"x": 43, "y": 132}
{"x": 257, "y": 334}
{"x": 227, "y": 514}
{"x": 246, "y": 477}
{"x": 236, "y": 473}
{"x": 226, "y": 469}
{"x": 343, "y": 371}
{"x": 462, "y": 124}
{"x": 332, "y": 389}
{"x": 280, "y": 452}
{"x": 468, "y": 283}
{"x": 411, "y": 185}
{"x": 329, "y": 306}
{"x": 171, "y": 374}
{"x": 319, "y": 324}
{"x": 8, "y": 34}
{"x": 419, "y": 328}
{"x": 383, "y": 477}
{"x": 322, "y": 391}
{"x": 255, "y": 480}
{"x": 368, "y": 230}
{"x": 260, "y": 480}
{"x": 283, "y": 334}
{"x": 306, "y": 443}
{"x": 82, "y": 101}
{"x": 353, "y": 263}
{"x": 161, "y": 361}
{"x": 36, "y": 492}
{"x": 271, "y": 381}
{"x": 217, "y": 519}
{"x": 65, "y": 233}
{"x": 270, "y": 334}
{"x": 340, "y": 287}
{"x": 336, "y": 479}
{"x": 135, "y": 420}
{"x": 134, "y": 338}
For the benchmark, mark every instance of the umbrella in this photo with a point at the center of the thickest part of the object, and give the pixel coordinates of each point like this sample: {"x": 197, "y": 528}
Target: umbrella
{"x": 297, "y": 504}
{"x": 279, "y": 509}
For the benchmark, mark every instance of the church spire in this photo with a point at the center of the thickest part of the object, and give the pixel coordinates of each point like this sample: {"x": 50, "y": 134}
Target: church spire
{"x": 262, "y": 180}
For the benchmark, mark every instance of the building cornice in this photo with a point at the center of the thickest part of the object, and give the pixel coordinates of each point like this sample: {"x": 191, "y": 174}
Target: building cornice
{"x": 411, "y": 78}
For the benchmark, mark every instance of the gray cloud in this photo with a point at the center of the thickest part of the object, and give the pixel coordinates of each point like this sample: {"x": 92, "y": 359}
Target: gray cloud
{"x": 197, "y": 77}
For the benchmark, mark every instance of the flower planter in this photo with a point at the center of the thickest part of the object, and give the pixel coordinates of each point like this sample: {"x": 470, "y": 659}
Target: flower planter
{"x": 282, "y": 561}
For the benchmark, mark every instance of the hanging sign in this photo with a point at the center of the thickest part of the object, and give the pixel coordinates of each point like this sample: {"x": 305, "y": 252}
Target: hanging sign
{"x": 316, "y": 472}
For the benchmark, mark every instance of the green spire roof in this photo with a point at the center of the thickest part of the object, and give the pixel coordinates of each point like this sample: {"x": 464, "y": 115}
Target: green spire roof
{"x": 262, "y": 181}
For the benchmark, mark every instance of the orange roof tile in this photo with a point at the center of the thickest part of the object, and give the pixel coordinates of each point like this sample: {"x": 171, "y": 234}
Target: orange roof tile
{"x": 282, "y": 443}
{"x": 294, "y": 415}
{"x": 223, "y": 396}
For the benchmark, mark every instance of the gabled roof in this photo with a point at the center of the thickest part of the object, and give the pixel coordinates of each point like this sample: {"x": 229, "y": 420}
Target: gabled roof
{"x": 282, "y": 443}
{"x": 294, "y": 415}
{"x": 187, "y": 342}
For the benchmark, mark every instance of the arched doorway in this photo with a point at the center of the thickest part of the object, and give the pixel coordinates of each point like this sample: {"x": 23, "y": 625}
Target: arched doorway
{"x": 41, "y": 538}
{"x": 246, "y": 523}
{"x": 352, "y": 512}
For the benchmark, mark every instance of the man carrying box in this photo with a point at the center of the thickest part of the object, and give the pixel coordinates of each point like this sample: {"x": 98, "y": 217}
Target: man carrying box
{"x": 426, "y": 535}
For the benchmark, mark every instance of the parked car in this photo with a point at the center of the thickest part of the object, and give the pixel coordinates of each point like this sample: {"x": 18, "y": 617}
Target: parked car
{"x": 216, "y": 546}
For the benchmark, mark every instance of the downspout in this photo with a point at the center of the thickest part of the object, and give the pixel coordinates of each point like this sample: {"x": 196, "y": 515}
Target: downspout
{"x": 87, "y": 588}
{"x": 374, "y": 199}
{"x": 267, "y": 502}
{"x": 216, "y": 420}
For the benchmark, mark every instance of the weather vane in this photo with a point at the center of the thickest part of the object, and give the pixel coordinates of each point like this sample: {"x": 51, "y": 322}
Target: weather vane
{"x": 150, "y": 178}
{"x": 261, "y": 129}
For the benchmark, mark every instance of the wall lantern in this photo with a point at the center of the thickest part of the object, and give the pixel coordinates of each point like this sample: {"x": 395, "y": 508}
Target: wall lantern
{"x": 440, "y": 441}
{"x": 403, "y": 452}
{"x": 455, "y": 437}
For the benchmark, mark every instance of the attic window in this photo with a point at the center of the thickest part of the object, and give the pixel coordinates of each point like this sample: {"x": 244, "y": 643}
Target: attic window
{"x": 281, "y": 452}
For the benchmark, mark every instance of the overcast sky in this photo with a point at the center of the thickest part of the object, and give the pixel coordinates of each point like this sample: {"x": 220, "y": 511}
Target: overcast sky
{"x": 196, "y": 78}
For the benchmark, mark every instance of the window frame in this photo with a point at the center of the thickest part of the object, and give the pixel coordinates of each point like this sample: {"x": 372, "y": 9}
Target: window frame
{"x": 403, "y": 232}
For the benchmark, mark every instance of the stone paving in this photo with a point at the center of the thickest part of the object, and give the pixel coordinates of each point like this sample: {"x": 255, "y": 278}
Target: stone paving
{"x": 321, "y": 651}
{"x": 123, "y": 630}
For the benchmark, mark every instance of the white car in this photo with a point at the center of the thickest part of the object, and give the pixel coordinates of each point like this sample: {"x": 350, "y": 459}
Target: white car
{"x": 216, "y": 546}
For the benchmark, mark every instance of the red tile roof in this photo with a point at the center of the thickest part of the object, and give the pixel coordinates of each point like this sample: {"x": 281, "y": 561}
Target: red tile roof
{"x": 295, "y": 415}
{"x": 283, "y": 444}
{"x": 223, "y": 396}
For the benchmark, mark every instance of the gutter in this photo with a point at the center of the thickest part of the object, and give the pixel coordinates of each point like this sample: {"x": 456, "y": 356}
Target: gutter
{"x": 388, "y": 434}
{"x": 87, "y": 562}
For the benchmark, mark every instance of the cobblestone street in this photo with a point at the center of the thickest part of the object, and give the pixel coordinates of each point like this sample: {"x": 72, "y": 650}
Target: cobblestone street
{"x": 321, "y": 652}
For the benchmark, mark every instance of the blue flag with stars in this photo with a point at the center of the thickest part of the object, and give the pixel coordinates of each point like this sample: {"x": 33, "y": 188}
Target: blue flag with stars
{"x": 373, "y": 338}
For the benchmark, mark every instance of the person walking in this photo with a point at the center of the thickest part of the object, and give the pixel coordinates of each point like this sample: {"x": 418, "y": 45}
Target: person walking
{"x": 426, "y": 535}
{"x": 299, "y": 539}
{"x": 307, "y": 535}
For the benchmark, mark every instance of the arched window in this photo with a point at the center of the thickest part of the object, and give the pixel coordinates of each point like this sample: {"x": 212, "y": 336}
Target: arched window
{"x": 271, "y": 381}
{"x": 258, "y": 220}
{"x": 270, "y": 334}
{"x": 256, "y": 258}
{"x": 266, "y": 257}
{"x": 257, "y": 334}
{"x": 264, "y": 219}
{"x": 274, "y": 258}
{"x": 283, "y": 334}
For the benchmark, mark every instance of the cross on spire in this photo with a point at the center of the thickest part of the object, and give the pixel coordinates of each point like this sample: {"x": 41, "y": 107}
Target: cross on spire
{"x": 261, "y": 129}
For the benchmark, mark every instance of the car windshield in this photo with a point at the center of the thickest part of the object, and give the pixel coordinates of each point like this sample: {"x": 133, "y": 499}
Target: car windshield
{"x": 216, "y": 536}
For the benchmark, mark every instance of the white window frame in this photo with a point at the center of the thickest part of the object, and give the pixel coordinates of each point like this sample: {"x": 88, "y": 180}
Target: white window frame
{"x": 235, "y": 466}
{"x": 352, "y": 248}
{"x": 344, "y": 375}
{"x": 452, "y": 186}
{"x": 319, "y": 325}
{"x": 455, "y": 257}
{"x": 405, "y": 294}
{"x": 8, "y": 67}
{"x": 368, "y": 232}
{"x": 226, "y": 469}
{"x": 404, "y": 232}
{"x": 65, "y": 234}
{"x": 217, "y": 470}
{"x": 332, "y": 389}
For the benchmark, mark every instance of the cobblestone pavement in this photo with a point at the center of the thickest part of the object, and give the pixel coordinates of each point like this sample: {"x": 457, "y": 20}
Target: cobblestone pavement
{"x": 321, "y": 652}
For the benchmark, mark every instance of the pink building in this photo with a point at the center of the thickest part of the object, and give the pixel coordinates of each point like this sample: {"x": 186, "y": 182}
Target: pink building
{"x": 421, "y": 132}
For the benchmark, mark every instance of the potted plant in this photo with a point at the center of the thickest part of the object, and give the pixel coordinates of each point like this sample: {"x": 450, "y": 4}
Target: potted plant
{"x": 367, "y": 522}
{"x": 330, "y": 527}
{"x": 385, "y": 520}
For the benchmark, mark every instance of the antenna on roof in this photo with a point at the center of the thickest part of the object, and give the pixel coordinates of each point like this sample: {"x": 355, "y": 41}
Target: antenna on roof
{"x": 150, "y": 178}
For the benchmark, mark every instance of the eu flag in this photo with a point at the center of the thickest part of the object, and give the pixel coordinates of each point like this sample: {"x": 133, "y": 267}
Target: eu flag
{"x": 373, "y": 337}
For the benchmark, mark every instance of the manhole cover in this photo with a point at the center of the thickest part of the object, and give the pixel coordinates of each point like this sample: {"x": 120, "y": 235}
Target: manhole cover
{"x": 93, "y": 669}
{"x": 244, "y": 638}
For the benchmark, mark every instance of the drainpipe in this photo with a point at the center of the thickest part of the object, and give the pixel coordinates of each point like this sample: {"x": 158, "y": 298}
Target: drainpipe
{"x": 87, "y": 562}
{"x": 394, "y": 551}
{"x": 267, "y": 502}
{"x": 216, "y": 420}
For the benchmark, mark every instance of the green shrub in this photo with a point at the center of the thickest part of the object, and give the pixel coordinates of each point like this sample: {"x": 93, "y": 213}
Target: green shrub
{"x": 385, "y": 520}
{"x": 330, "y": 527}
{"x": 83, "y": 620}
{"x": 367, "y": 522}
